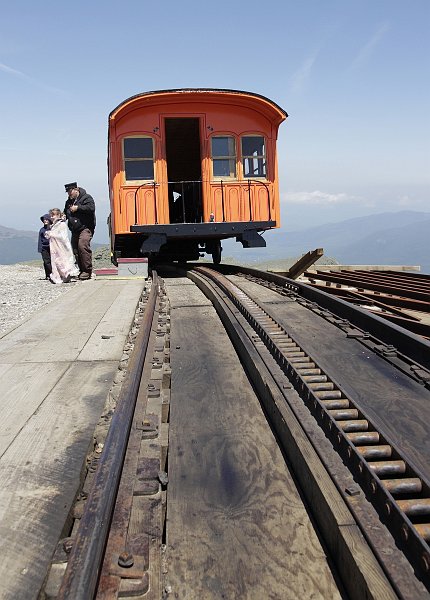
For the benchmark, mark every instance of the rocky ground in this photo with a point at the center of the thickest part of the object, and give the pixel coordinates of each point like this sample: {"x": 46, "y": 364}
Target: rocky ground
{"x": 24, "y": 290}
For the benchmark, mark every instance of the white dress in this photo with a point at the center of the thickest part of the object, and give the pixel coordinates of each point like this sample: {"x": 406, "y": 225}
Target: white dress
{"x": 62, "y": 258}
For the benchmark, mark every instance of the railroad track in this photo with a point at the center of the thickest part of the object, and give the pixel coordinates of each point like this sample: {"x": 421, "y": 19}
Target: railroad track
{"x": 366, "y": 490}
{"x": 402, "y": 298}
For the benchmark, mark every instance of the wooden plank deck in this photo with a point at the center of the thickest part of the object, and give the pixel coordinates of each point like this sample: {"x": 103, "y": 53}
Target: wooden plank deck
{"x": 56, "y": 371}
{"x": 236, "y": 524}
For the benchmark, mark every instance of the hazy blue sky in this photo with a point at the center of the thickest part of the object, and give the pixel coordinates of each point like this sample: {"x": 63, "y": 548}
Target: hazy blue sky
{"x": 353, "y": 76}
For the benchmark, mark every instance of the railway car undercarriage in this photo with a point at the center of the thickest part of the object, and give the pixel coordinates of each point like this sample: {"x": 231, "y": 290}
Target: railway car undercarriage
{"x": 187, "y": 241}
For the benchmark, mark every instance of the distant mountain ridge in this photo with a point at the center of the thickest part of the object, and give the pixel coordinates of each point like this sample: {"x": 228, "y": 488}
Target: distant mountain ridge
{"x": 17, "y": 246}
{"x": 20, "y": 246}
{"x": 345, "y": 233}
{"x": 408, "y": 244}
{"x": 8, "y": 232}
{"x": 385, "y": 238}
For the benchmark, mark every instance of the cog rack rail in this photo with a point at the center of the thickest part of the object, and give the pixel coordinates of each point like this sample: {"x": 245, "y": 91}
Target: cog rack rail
{"x": 399, "y": 493}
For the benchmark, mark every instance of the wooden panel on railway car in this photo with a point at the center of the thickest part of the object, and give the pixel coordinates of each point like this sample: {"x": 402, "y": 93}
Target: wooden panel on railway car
{"x": 248, "y": 120}
{"x": 240, "y": 202}
{"x": 236, "y": 526}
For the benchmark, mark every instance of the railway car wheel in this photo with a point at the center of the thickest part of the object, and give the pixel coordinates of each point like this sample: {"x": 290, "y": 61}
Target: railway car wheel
{"x": 216, "y": 253}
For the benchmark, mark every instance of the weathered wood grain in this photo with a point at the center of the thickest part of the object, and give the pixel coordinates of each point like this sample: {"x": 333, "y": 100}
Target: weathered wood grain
{"x": 358, "y": 568}
{"x": 50, "y": 403}
{"x": 22, "y": 391}
{"x": 236, "y": 525}
{"x": 72, "y": 320}
{"x": 182, "y": 293}
{"x": 114, "y": 325}
{"x": 397, "y": 405}
{"x": 40, "y": 473}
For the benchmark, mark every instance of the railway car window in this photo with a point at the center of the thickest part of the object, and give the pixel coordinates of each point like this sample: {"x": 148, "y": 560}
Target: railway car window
{"x": 138, "y": 158}
{"x": 253, "y": 156}
{"x": 224, "y": 156}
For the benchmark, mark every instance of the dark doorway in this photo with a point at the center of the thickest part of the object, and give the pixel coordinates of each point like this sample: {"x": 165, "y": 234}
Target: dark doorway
{"x": 184, "y": 170}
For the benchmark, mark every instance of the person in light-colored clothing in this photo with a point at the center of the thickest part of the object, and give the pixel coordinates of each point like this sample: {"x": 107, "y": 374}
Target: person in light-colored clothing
{"x": 62, "y": 258}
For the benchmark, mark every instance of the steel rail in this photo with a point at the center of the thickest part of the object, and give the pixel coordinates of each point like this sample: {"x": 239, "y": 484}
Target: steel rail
{"x": 395, "y": 279}
{"x": 414, "y": 347}
{"x": 391, "y": 277}
{"x": 367, "y": 301}
{"x": 409, "y": 275}
{"x": 407, "y": 322}
{"x": 403, "y": 320}
{"x": 348, "y": 278}
{"x": 377, "y": 301}
{"x": 355, "y": 559}
{"x": 399, "y": 492}
{"x": 399, "y": 301}
{"x": 84, "y": 565}
{"x": 403, "y": 356}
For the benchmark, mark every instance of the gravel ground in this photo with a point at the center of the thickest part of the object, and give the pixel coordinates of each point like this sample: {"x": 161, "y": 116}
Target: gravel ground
{"x": 24, "y": 290}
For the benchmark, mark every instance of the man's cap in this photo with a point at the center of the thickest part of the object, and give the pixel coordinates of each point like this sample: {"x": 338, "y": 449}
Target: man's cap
{"x": 70, "y": 186}
{"x": 46, "y": 217}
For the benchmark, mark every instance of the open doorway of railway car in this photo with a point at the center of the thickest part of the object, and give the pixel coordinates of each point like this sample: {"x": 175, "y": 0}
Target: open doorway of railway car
{"x": 184, "y": 169}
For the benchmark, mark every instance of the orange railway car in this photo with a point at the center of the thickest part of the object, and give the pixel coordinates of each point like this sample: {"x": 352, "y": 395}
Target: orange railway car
{"x": 189, "y": 168}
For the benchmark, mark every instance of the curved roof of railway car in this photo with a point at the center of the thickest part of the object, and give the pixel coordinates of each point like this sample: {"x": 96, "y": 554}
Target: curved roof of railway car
{"x": 271, "y": 107}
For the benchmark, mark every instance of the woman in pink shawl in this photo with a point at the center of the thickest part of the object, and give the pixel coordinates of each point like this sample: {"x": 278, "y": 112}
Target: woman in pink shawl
{"x": 62, "y": 259}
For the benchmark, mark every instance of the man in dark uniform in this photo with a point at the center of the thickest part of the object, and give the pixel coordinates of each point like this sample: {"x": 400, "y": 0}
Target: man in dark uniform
{"x": 80, "y": 212}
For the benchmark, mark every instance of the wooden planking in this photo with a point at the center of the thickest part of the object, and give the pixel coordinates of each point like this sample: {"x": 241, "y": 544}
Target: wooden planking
{"x": 115, "y": 324}
{"x": 24, "y": 386}
{"x": 182, "y": 293}
{"x": 358, "y": 568}
{"x": 21, "y": 394}
{"x": 50, "y": 407}
{"x": 34, "y": 330}
{"x": 399, "y": 406}
{"x": 5, "y": 371}
{"x": 73, "y": 318}
{"x": 236, "y": 525}
{"x": 40, "y": 473}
